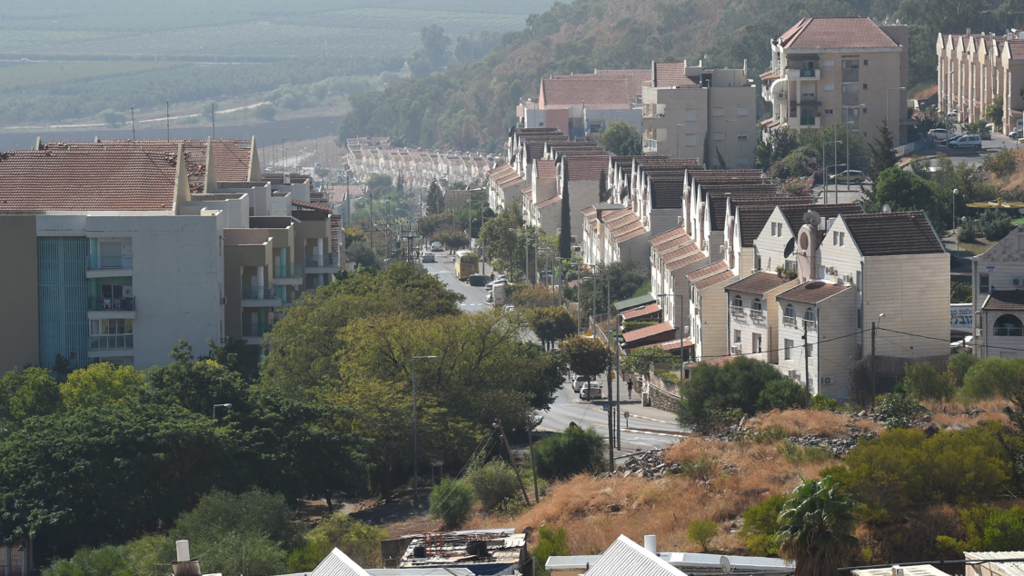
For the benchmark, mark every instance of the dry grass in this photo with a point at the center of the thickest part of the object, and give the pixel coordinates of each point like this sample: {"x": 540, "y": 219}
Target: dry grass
{"x": 958, "y": 416}
{"x": 800, "y": 422}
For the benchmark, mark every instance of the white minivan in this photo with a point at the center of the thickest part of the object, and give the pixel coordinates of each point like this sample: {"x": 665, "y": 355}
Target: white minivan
{"x": 966, "y": 141}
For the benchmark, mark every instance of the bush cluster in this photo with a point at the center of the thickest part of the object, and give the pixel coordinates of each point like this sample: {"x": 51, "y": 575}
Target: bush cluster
{"x": 574, "y": 451}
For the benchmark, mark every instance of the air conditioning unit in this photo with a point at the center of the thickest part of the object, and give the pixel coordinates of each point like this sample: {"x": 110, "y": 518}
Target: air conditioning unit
{"x": 848, "y": 278}
{"x": 826, "y": 380}
{"x": 1018, "y": 282}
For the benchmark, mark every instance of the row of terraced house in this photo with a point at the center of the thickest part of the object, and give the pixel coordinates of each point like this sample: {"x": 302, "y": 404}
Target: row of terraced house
{"x": 116, "y": 250}
{"x": 374, "y": 155}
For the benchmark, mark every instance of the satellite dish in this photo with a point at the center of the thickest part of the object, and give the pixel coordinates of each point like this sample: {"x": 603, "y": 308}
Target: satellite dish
{"x": 789, "y": 248}
{"x": 811, "y": 217}
{"x": 726, "y": 565}
{"x": 886, "y": 209}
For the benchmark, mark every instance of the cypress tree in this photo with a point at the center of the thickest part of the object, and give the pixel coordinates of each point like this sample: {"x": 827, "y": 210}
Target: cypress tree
{"x": 565, "y": 236}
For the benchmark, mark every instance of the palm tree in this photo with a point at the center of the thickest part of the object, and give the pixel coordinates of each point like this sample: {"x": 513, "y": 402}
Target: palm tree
{"x": 816, "y": 526}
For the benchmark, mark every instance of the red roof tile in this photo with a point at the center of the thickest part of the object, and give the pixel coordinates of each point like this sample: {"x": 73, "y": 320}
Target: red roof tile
{"x": 713, "y": 279}
{"x": 309, "y": 205}
{"x": 811, "y": 292}
{"x": 547, "y": 169}
{"x": 640, "y": 312}
{"x": 759, "y": 283}
{"x": 671, "y": 345}
{"x": 586, "y": 88}
{"x": 668, "y": 74}
{"x": 692, "y": 259}
{"x": 840, "y": 32}
{"x": 708, "y": 270}
{"x": 585, "y": 168}
{"x": 648, "y": 332}
{"x": 87, "y": 178}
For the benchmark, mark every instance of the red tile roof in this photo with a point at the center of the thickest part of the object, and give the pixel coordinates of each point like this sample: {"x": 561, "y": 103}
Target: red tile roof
{"x": 713, "y": 279}
{"x": 547, "y": 169}
{"x": 838, "y": 32}
{"x": 586, "y": 167}
{"x": 708, "y": 270}
{"x": 811, "y": 292}
{"x": 692, "y": 259}
{"x": 550, "y": 201}
{"x": 668, "y": 74}
{"x": 759, "y": 283}
{"x": 586, "y": 88}
{"x": 671, "y": 345}
{"x": 640, "y": 312}
{"x": 309, "y": 205}
{"x": 87, "y": 178}
{"x": 1004, "y": 300}
{"x": 648, "y": 332}
{"x": 673, "y": 237}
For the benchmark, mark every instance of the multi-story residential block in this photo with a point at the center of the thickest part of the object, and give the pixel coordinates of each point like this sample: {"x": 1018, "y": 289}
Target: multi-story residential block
{"x": 846, "y": 71}
{"x": 119, "y": 249}
{"x": 975, "y": 68}
{"x": 584, "y": 104}
{"x": 998, "y": 302}
{"x": 503, "y": 184}
{"x": 753, "y": 315}
{"x": 698, "y": 112}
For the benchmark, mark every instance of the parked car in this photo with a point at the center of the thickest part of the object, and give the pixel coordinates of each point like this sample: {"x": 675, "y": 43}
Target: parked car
{"x": 952, "y": 115}
{"x": 966, "y": 141}
{"x": 939, "y": 134}
{"x": 1016, "y": 133}
{"x": 855, "y": 176}
{"x": 436, "y": 247}
{"x": 490, "y": 285}
{"x": 590, "y": 391}
{"x": 578, "y": 382}
{"x": 428, "y": 258}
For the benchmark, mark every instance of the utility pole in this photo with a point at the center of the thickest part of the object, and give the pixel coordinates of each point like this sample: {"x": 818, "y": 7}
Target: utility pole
{"x": 618, "y": 383}
{"x": 533, "y": 461}
{"x": 873, "y": 366}
{"x": 611, "y": 423}
{"x": 133, "y": 123}
{"x": 213, "y": 118}
{"x": 807, "y": 368}
{"x": 168, "y": 120}
{"x": 512, "y": 460}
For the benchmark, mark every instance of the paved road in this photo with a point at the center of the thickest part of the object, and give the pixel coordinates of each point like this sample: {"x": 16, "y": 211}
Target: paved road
{"x": 444, "y": 269}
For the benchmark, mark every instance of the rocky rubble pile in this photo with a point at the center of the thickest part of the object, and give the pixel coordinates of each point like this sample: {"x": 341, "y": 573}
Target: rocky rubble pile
{"x": 644, "y": 465}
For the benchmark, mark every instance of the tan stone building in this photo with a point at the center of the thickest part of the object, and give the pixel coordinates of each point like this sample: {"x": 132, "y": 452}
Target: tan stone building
{"x": 974, "y": 68}
{"x": 698, "y": 112}
{"x": 829, "y": 71}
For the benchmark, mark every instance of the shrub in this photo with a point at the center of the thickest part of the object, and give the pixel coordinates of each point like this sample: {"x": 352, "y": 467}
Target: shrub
{"x": 510, "y": 507}
{"x": 995, "y": 225}
{"x": 957, "y": 367}
{"x": 359, "y": 541}
{"x": 925, "y": 383}
{"x": 702, "y": 468}
{"x": 451, "y": 501}
{"x": 574, "y": 451}
{"x": 493, "y": 482}
{"x": 550, "y": 542}
{"x": 903, "y": 467}
{"x": 701, "y": 532}
{"x": 824, "y": 402}
{"x": 968, "y": 232}
{"x": 135, "y": 557}
{"x": 781, "y": 394}
{"x": 760, "y": 525}
{"x": 1002, "y": 163}
{"x": 988, "y": 528}
{"x": 989, "y": 377}
{"x": 897, "y": 408}
{"x": 715, "y": 395}
{"x": 800, "y": 454}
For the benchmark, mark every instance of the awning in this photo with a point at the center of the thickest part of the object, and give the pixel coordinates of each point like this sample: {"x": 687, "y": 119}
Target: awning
{"x": 623, "y": 305}
{"x": 650, "y": 335}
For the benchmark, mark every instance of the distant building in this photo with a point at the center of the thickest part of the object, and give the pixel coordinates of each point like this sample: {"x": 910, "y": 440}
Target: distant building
{"x": 845, "y": 71}
{"x": 584, "y": 104}
{"x": 998, "y": 300}
{"x": 974, "y": 68}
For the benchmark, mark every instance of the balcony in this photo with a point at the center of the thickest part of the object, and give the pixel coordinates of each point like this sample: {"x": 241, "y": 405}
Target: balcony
{"x": 757, "y": 316}
{"x": 807, "y": 120}
{"x": 112, "y": 342}
{"x": 255, "y": 332}
{"x": 289, "y": 274}
{"x": 111, "y": 304}
{"x": 259, "y": 292}
{"x": 1007, "y": 331}
{"x": 789, "y": 321}
{"x": 650, "y": 144}
{"x": 328, "y": 261}
{"x": 737, "y": 311}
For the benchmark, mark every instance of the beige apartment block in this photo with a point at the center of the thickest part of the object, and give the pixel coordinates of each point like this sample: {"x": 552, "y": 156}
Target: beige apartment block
{"x": 753, "y": 318}
{"x": 975, "y": 68}
{"x": 845, "y": 71}
{"x": 703, "y": 113}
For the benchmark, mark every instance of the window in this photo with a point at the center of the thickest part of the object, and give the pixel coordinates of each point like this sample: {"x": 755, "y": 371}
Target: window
{"x": 810, "y": 350}
{"x": 809, "y": 315}
{"x": 865, "y": 62}
{"x": 773, "y": 228}
{"x": 829, "y": 64}
{"x": 691, "y": 115}
{"x": 756, "y": 304}
{"x": 742, "y": 136}
{"x": 113, "y": 333}
{"x": 718, "y": 136}
{"x": 851, "y": 64}
{"x": 829, "y": 87}
{"x": 983, "y": 283}
{"x": 741, "y": 111}
{"x": 757, "y": 344}
{"x": 1008, "y": 325}
{"x": 737, "y": 301}
{"x": 842, "y": 238}
{"x": 757, "y": 258}
{"x": 743, "y": 161}
{"x": 865, "y": 87}
{"x": 829, "y": 111}
{"x": 788, "y": 349}
{"x": 717, "y": 112}
{"x": 835, "y": 238}
{"x": 865, "y": 111}
{"x": 691, "y": 139}
{"x": 737, "y": 337}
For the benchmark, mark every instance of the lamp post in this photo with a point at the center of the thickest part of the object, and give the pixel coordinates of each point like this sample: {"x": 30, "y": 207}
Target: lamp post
{"x": 848, "y": 124}
{"x": 955, "y": 231}
{"x": 680, "y": 296}
{"x": 415, "y": 437}
{"x": 594, "y": 303}
{"x": 215, "y": 406}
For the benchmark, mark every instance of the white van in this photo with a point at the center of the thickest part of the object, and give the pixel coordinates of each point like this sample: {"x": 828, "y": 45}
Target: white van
{"x": 966, "y": 141}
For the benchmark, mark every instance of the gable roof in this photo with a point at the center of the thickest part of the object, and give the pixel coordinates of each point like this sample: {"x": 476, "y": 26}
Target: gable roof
{"x": 706, "y": 271}
{"x": 894, "y": 233}
{"x": 836, "y": 32}
{"x": 337, "y": 563}
{"x": 627, "y": 557}
{"x": 1004, "y": 300}
{"x": 812, "y": 292}
{"x": 758, "y": 283}
{"x": 658, "y": 330}
{"x": 87, "y": 178}
{"x": 709, "y": 281}
{"x": 592, "y": 89}
{"x": 640, "y": 312}
{"x": 795, "y": 214}
{"x": 585, "y": 167}
{"x": 668, "y": 74}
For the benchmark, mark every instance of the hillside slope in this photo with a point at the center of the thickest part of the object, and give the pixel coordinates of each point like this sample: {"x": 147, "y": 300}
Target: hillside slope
{"x": 470, "y": 107}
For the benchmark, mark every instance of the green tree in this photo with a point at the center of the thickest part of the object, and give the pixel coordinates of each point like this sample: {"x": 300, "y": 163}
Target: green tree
{"x": 588, "y": 357}
{"x": 925, "y": 383}
{"x": 701, "y": 532}
{"x": 493, "y": 482}
{"x": 430, "y": 223}
{"x": 957, "y": 367}
{"x": 359, "y": 541}
{"x": 779, "y": 144}
{"x": 816, "y": 527}
{"x": 761, "y": 526}
{"x": 994, "y": 111}
{"x": 31, "y": 392}
{"x": 454, "y": 241}
{"x": 550, "y": 542}
{"x": 715, "y": 391}
{"x": 639, "y": 360}
{"x": 781, "y": 394}
{"x": 575, "y": 451}
{"x": 989, "y": 377}
{"x": 621, "y": 139}
{"x": 195, "y": 385}
{"x": 435, "y": 198}
{"x": 100, "y": 384}
{"x": 565, "y": 231}
{"x": 135, "y": 557}
{"x": 266, "y": 112}
{"x": 506, "y": 244}
{"x": 451, "y": 501}
{"x": 904, "y": 191}
{"x": 988, "y": 528}
{"x": 883, "y": 156}
{"x": 551, "y": 324}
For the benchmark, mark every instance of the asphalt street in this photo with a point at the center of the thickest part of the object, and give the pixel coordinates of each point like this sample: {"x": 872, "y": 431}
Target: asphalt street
{"x": 648, "y": 427}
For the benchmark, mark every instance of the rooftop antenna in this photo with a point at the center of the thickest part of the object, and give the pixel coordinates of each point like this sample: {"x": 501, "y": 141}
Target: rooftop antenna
{"x": 133, "y": 122}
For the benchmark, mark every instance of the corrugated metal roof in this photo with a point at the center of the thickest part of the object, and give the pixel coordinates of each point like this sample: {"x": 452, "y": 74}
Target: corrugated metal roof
{"x": 1003, "y": 568}
{"x": 337, "y": 563}
{"x": 627, "y": 557}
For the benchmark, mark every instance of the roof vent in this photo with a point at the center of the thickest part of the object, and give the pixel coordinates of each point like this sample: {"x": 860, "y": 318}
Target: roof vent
{"x": 651, "y": 543}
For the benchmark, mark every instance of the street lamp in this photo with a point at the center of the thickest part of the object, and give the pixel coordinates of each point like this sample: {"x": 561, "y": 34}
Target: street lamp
{"x": 415, "y": 437}
{"x": 215, "y": 406}
{"x": 955, "y": 231}
{"x": 680, "y": 296}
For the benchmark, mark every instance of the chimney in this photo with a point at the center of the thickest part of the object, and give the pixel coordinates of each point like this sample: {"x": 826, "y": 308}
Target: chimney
{"x": 968, "y": 32}
{"x": 650, "y": 543}
{"x": 182, "y": 547}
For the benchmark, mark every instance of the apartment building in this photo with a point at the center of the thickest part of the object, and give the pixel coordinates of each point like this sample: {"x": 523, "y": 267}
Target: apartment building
{"x": 117, "y": 250}
{"x": 998, "y": 302}
{"x": 503, "y": 185}
{"x": 697, "y": 112}
{"x": 584, "y": 104}
{"x": 975, "y": 68}
{"x": 845, "y": 71}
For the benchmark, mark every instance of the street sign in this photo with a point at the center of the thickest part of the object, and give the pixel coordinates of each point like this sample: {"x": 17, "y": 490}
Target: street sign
{"x": 604, "y": 406}
{"x": 590, "y": 334}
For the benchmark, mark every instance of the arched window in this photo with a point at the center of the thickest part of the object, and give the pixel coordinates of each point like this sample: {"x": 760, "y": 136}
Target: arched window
{"x": 756, "y": 304}
{"x": 1008, "y": 325}
{"x": 809, "y": 315}
{"x": 790, "y": 311}
{"x": 737, "y": 301}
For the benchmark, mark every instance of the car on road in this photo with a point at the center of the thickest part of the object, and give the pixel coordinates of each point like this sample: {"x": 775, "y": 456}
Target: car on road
{"x": 939, "y": 134}
{"x": 436, "y": 247}
{"x": 590, "y": 391}
{"x": 490, "y": 285}
{"x": 428, "y": 258}
{"x": 578, "y": 382}
{"x": 855, "y": 176}
{"x": 1016, "y": 133}
{"x": 966, "y": 141}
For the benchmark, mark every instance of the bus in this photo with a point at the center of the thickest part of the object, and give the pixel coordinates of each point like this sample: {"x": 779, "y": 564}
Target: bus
{"x": 466, "y": 264}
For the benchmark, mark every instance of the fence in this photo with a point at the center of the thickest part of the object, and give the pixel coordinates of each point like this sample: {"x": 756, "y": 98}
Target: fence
{"x": 914, "y": 146}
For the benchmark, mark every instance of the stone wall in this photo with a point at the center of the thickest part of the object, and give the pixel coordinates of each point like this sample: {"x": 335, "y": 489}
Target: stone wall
{"x": 662, "y": 399}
